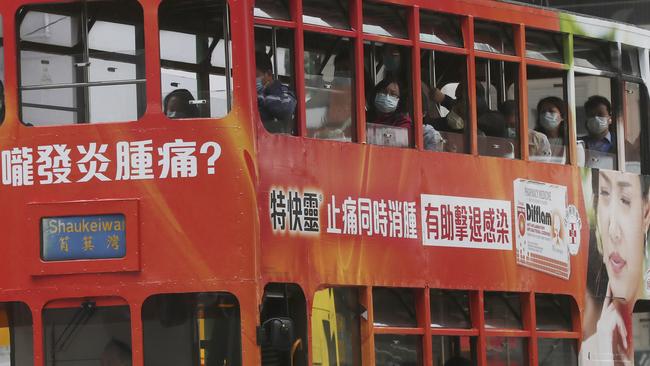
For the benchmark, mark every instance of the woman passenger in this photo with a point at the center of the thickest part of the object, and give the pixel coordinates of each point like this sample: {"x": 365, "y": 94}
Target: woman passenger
{"x": 386, "y": 106}
{"x": 177, "y": 104}
{"x": 622, "y": 219}
{"x": 551, "y": 120}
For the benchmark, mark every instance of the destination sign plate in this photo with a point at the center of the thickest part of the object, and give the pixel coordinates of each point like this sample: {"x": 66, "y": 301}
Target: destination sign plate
{"x": 83, "y": 237}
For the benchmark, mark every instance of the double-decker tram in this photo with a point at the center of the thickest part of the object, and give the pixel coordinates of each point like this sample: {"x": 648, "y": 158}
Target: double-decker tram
{"x": 322, "y": 182}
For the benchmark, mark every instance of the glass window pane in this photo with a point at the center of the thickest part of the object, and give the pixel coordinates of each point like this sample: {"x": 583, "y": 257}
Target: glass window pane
{"x": 450, "y": 309}
{"x": 544, "y": 45}
{"x": 330, "y": 93}
{"x": 196, "y": 82}
{"x": 553, "y": 352}
{"x": 497, "y": 85}
{"x": 86, "y": 334}
{"x": 16, "y": 334}
{"x": 273, "y": 9}
{"x": 494, "y": 37}
{"x": 326, "y": 13}
{"x": 632, "y": 123}
{"x": 641, "y": 331}
{"x": 631, "y": 61}
{"x": 595, "y": 122}
{"x": 592, "y": 54}
{"x": 276, "y": 98}
{"x": 388, "y": 93}
{"x": 553, "y": 312}
{"x": 403, "y": 350}
{"x": 503, "y": 351}
{"x": 52, "y": 52}
{"x": 192, "y": 328}
{"x": 548, "y": 132}
{"x": 454, "y": 350}
{"x": 394, "y": 307}
{"x": 384, "y": 20}
{"x": 503, "y": 310}
{"x": 335, "y": 327}
{"x": 444, "y": 101}
{"x": 440, "y": 29}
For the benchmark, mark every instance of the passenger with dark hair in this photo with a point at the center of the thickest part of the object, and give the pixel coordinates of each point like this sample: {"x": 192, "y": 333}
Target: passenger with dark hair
{"x": 551, "y": 120}
{"x": 388, "y": 106}
{"x": 493, "y": 124}
{"x": 178, "y": 104}
{"x": 276, "y": 103}
{"x": 601, "y": 137}
{"x": 538, "y": 144}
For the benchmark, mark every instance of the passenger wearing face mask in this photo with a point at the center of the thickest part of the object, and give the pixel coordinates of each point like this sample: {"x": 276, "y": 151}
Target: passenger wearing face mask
{"x": 276, "y": 103}
{"x": 538, "y": 144}
{"x": 599, "y": 121}
{"x": 386, "y": 107}
{"x": 177, "y": 104}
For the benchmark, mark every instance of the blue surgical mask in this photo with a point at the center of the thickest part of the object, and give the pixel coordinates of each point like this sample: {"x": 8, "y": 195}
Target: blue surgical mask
{"x": 597, "y": 125}
{"x": 386, "y": 103}
{"x": 259, "y": 85}
{"x": 550, "y": 120}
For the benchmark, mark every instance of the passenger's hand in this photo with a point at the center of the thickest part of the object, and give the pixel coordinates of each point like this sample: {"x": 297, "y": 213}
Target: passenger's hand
{"x": 611, "y": 332}
{"x": 438, "y": 96}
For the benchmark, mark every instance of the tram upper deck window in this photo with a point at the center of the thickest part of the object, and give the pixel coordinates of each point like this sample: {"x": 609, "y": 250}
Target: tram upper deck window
{"x": 630, "y": 61}
{"x": 195, "y": 58}
{"x": 503, "y": 310}
{"x": 329, "y": 81}
{"x": 191, "y": 329}
{"x": 545, "y": 46}
{"x": 440, "y": 29}
{"x": 385, "y": 20}
{"x": 16, "y": 334}
{"x": 81, "y": 62}
{"x": 87, "y": 333}
{"x": 326, "y": 13}
{"x": 494, "y": 37}
{"x": 593, "y": 54}
{"x": 272, "y": 9}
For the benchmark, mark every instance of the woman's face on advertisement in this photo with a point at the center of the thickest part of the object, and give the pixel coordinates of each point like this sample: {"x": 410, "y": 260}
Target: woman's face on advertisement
{"x": 622, "y": 219}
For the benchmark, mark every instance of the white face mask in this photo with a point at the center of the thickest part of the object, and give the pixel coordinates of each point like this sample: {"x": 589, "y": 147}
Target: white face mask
{"x": 597, "y": 125}
{"x": 386, "y": 103}
{"x": 550, "y": 120}
{"x": 454, "y": 121}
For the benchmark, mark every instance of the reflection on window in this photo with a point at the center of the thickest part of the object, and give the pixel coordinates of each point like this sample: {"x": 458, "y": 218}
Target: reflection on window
{"x": 86, "y": 334}
{"x": 384, "y": 20}
{"x": 403, "y": 350}
{"x": 632, "y": 123}
{"x": 326, "y": 13}
{"x": 548, "y": 133}
{"x": 494, "y": 37}
{"x": 335, "y": 327}
{"x": 272, "y": 9}
{"x": 454, "y": 350}
{"x": 329, "y": 82}
{"x": 388, "y": 85}
{"x": 507, "y": 351}
{"x": 193, "y": 328}
{"x": 444, "y": 101}
{"x": 195, "y": 58}
{"x": 546, "y": 46}
{"x": 394, "y": 307}
{"x": 553, "y": 312}
{"x": 631, "y": 61}
{"x": 81, "y": 62}
{"x": 503, "y": 310}
{"x": 592, "y": 54}
{"x": 497, "y": 108}
{"x": 551, "y": 352}
{"x": 450, "y": 309}
{"x": 16, "y": 334}
{"x": 440, "y": 29}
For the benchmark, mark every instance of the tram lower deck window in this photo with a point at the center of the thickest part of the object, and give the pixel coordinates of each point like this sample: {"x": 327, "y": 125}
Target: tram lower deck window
{"x": 16, "y": 334}
{"x": 191, "y": 329}
{"x": 81, "y": 62}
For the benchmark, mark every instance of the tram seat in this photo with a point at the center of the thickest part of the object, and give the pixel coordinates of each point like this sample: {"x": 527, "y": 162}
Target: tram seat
{"x": 496, "y": 146}
{"x": 454, "y": 142}
{"x": 379, "y": 134}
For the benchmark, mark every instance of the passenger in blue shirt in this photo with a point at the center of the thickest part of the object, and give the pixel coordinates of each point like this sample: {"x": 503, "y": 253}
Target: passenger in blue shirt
{"x": 275, "y": 101}
{"x": 601, "y": 137}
